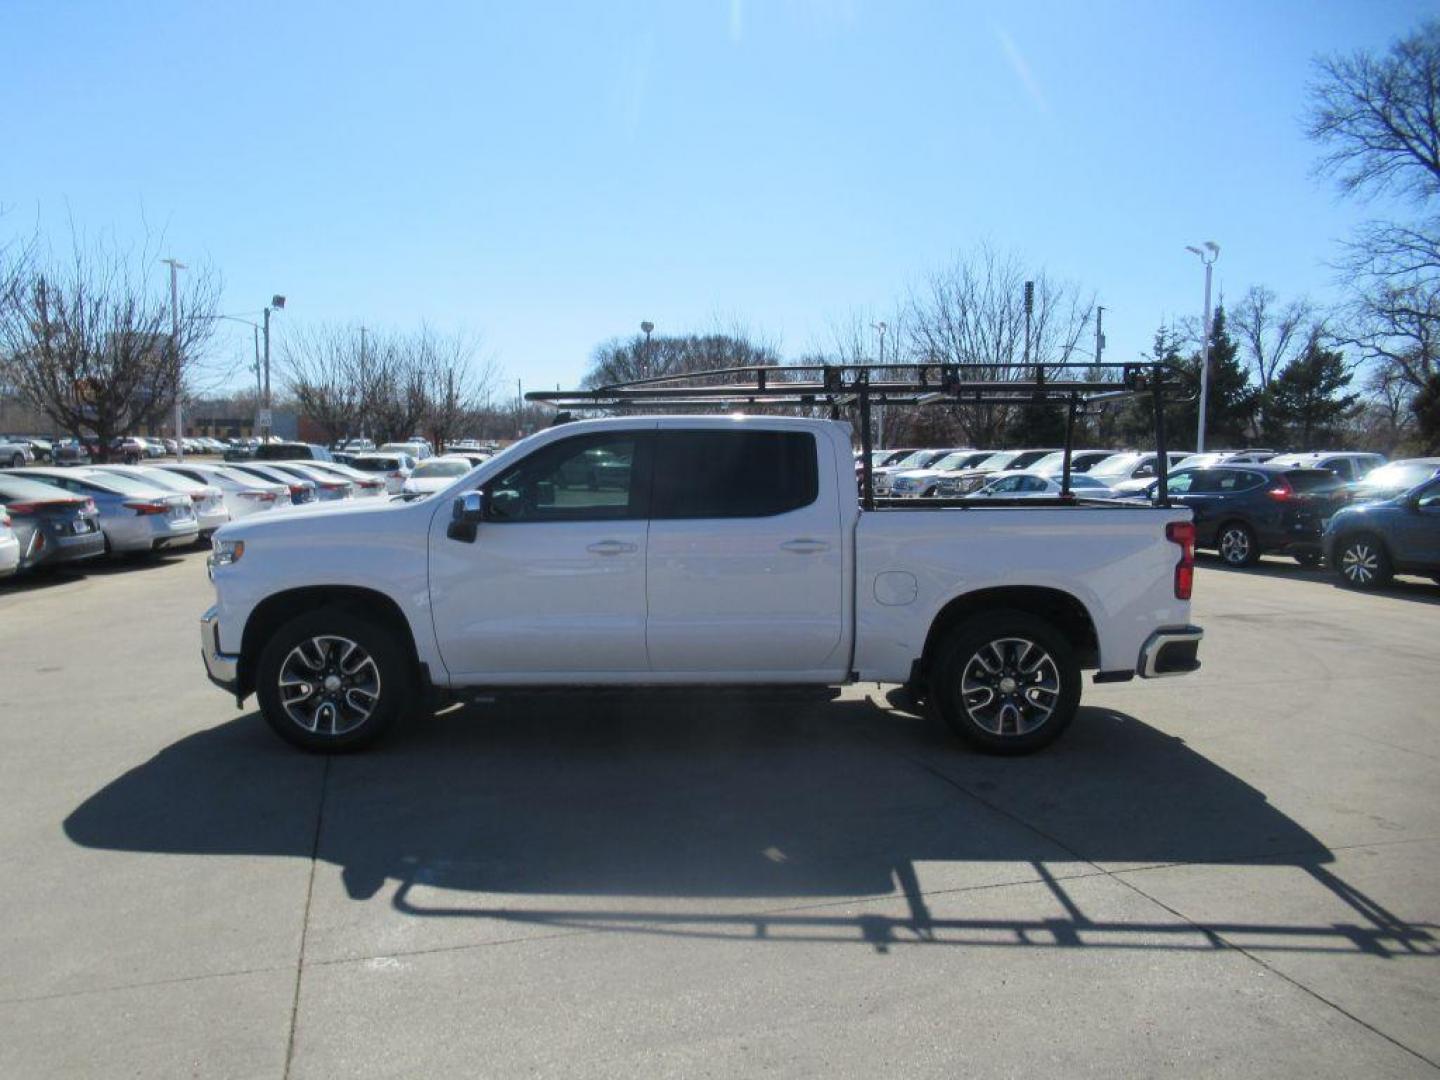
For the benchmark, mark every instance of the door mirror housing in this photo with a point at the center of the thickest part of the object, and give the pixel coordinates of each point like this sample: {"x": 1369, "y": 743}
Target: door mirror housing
{"x": 466, "y": 513}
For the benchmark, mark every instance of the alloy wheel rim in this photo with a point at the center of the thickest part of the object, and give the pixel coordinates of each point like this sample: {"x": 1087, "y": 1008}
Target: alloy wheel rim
{"x": 329, "y": 685}
{"x": 1010, "y": 687}
{"x": 1235, "y": 545}
{"x": 1360, "y": 563}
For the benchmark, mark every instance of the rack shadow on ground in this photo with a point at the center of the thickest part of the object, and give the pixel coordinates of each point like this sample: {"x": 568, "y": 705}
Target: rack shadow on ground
{"x": 787, "y": 800}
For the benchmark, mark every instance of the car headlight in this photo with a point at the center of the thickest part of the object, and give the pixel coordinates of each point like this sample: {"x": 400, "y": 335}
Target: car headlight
{"x": 225, "y": 552}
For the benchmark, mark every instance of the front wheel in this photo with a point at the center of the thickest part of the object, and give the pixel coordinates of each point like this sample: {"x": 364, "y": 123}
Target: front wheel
{"x": 331, "y": 681}
{"x": 1006, "y": 682}
{"x": 1362, "y": 562}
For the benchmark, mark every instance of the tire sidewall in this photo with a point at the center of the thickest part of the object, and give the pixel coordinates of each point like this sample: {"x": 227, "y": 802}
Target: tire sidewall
{"x": 964, "y": 641}
{"x": 396, "y": 679}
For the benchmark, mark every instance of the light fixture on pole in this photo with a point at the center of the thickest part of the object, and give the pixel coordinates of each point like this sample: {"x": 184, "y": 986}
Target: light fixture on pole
{"x": 277, "y": 303}
{"x": 175, "y": 268}
{"x": 645, "y": 328}
{"x": 1207, "y": 255}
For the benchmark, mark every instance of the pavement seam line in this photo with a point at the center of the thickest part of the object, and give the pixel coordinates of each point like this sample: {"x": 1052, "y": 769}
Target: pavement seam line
{"x": 120, "y": 988}
{"x": 305, "y": 920}
{"x": 1253, "y": 958}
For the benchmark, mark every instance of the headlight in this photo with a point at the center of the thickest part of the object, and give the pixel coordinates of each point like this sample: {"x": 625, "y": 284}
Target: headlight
{"x": 226, "y": 552}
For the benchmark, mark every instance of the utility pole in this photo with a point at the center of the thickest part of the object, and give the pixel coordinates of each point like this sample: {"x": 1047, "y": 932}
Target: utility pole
{"x": 1208, "y": 256}
{"x": 175, "y": 268}
{"x": 519, "y": 409}
{"x": 1099, "y": 334}
{"x": 258, "y": 388}
{"x": 880, "y": 327}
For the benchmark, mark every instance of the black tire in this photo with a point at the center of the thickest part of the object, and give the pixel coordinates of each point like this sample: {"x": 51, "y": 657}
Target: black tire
{"x": 1308, "y": 559}
{"x": 1237, "y": 544}
{"x": 1362, "y": 562}
{"x": 986, "y": 653}
{"x": 389, "y": 674}
{"x": 17, "y": 462}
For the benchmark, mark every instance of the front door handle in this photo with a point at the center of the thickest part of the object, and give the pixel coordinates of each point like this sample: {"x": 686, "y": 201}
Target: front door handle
{"x": 805, "y": 547}
{"x": 612, "y": 547}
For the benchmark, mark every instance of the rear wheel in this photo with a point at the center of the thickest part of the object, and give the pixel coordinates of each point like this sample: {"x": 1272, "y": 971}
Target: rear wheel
{"x": 1006, "y": 682}
{"x": 331, "y": 681}
{"x": 1361, "y": 561}
{"x": 1237, "y": 544}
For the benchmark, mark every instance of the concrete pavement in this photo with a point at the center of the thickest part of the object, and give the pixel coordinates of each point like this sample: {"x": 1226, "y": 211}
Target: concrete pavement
{"x": 1235, "y": 873}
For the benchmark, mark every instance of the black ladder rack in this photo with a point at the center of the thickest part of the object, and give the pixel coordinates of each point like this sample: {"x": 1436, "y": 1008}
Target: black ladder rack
{"x": 858, "y": 387}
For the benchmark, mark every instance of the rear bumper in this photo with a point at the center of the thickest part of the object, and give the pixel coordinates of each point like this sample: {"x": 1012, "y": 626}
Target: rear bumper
{"x": 1172, "y": 650}
{"x": 223, "y": 669}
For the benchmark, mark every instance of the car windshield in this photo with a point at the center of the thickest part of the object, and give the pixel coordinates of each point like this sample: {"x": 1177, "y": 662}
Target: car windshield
{"x": 1116, "y": 465}
{"x": 1399, "y": 475}
{"x": 375, "y": 464}
{"x": 431, "y": 469}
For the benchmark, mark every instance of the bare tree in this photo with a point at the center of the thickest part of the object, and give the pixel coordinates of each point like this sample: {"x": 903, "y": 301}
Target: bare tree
{"x": 458, "y": 381}
{"x": 620, "y": 360}
{"x": 973, "y": 312}
{"x": 1271, "y": 335}
{"x": 1378, "y": 120}
{"x": 324, "y": 370}
{"x": 87, "y": 340}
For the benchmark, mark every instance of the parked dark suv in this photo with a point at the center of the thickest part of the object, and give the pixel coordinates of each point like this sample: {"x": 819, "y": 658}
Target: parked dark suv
{"x": 1366, "y": 543}
{"x": 1242, "y": 511}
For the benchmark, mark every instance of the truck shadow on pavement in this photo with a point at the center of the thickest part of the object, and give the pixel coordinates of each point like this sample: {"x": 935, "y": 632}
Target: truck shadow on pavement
{"x": 1416, "y": 589}
{"x": 640, "y": 808}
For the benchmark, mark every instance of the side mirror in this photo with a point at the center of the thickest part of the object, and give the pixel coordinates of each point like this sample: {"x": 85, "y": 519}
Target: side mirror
{"x": 466, "y": 513}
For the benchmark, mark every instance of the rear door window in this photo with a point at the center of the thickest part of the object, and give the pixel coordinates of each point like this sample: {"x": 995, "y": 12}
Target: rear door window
{"x": 733, "y": 474}
{"x": 1319, "y": 480}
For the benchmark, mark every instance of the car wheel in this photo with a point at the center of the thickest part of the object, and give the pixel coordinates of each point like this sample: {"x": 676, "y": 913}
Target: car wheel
{"x": 17, "y": 462}
{"x": 1006, "y": 682}
{"x": 1237, "y": 544}
{"x": 331, "y": 681}
{"x": 1361, "y": 562}
{"x": 1308, "y": 559}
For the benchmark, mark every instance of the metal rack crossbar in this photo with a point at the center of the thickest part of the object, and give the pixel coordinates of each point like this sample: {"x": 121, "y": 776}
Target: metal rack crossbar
{"x": 859, "y": 387}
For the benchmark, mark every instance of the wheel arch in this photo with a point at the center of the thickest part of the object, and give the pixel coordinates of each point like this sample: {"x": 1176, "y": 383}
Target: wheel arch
{"x": 276, "y": 610}
{"x": 1065, "y": 611}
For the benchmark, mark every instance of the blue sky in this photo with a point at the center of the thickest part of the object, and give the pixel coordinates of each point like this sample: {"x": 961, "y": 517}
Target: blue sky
{"x": 548, "y": 175}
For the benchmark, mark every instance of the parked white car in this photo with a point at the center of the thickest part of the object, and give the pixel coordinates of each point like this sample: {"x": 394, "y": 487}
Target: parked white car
{"x": 9, "y": 546}
{"x": 722, "y": 551}
{"x": 1029, "y": 484}
{"x": 417, "y": 450}
{"x": 436, "y": 474}
{"x": 366, "y": 485}
{"x": 208, "y": 499}
{"x": 394, "y": 468}
{"x": 244, "y": 494}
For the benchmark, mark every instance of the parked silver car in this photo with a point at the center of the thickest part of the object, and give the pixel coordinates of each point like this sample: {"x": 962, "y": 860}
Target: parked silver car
{"x": 14, "y": 453}
{"x": 302, "y": 492}
{"x": 135, "y": 516}
{"x": 52, "y": 525}
{"x": 243, "y": 494}
{"x": 208, "y": 500}
{"x": 366, "y": 485}
{"x": 328, "y": 487}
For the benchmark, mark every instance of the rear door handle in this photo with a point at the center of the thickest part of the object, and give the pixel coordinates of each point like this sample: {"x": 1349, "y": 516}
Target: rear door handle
{"x": 805, "y": 547}
{"x": 612, "y": 547}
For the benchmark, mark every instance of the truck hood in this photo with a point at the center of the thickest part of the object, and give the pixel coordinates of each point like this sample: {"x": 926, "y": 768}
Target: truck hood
{"x": 361, "y": 515}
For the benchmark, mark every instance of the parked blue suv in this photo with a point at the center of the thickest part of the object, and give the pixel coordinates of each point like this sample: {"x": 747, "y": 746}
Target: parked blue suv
{"x": 1366, "y": 543}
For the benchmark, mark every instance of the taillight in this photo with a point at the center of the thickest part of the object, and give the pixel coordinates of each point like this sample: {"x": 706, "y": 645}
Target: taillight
{"x": 297, "y": 490}
{"x": 1282, "y": 492}
{"x": 396, "y": 475}
{"x": 52, "y": 504}
{"x": 1183, "y": 533}
{"x": 198, "y": 496}
{"x": 4, "y": 521}
{"x": 147, "y": 509}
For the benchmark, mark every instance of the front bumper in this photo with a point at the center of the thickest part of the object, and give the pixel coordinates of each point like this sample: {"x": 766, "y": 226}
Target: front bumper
{"x": 1172, "y": 650}
{"x": 222, "y": 668}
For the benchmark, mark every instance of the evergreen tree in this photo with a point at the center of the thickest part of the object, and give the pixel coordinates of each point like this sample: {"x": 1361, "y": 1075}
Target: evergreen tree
{"x": 1306, "y": 406}
{"x": 1426, "y": 407}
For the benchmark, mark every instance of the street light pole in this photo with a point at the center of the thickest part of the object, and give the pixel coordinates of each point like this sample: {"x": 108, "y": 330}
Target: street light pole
{"x": 277, "y": 303}
{"x": 645, "y": 328}
{"x": 175, "y": 268}
{"x": 1207, "y": 255}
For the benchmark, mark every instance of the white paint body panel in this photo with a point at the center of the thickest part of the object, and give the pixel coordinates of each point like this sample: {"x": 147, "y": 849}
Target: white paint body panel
{"x": 714, "y": 601}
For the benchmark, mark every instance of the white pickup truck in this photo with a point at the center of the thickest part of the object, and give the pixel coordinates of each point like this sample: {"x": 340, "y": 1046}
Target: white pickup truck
{"x": 650, "y": 551}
